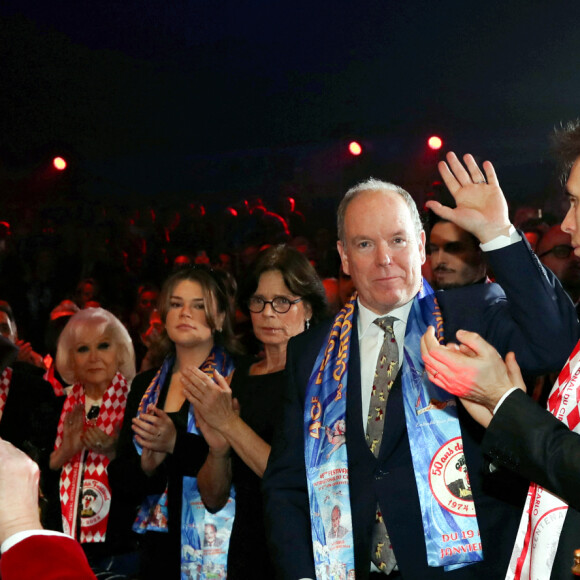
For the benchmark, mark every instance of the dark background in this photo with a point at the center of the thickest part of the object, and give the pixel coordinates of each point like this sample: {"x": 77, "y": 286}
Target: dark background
{"x": 215, "y": 100}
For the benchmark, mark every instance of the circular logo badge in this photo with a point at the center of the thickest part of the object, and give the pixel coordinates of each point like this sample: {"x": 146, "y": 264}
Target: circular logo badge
{"x": 95, "y": 502}
{"x": 449, "y": 480}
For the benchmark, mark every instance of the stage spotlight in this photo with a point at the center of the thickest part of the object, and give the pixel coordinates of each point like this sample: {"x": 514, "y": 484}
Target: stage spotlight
{"x": 354, "y": 148}
{"x": 435, "y": 143}
{"x": 59, "y": 163}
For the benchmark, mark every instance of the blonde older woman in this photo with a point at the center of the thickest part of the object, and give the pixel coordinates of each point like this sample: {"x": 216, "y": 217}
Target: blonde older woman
{"x": 95, "y": 355}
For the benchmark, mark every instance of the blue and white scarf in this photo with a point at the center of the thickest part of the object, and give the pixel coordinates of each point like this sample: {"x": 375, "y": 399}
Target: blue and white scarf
{"x": 448, "y": 511}
{"x": 199, "y": 559}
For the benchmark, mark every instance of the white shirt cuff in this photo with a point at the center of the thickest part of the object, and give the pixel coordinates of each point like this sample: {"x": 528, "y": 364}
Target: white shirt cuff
{"x": 19, "y": 536}
{"x": 504, "y": 397}
{"x": 502, "y": 241}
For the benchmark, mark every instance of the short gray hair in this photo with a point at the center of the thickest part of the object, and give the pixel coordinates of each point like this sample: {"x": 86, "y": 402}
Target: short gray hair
{"x": 373, "y": 184}
{"x": 104, "y": 321}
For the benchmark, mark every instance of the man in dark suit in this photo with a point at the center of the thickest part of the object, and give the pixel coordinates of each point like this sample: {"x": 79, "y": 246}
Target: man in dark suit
{"x": 382, "y": 246}
{"x": 521, "y": 436}
{"x": 543, "y": 445}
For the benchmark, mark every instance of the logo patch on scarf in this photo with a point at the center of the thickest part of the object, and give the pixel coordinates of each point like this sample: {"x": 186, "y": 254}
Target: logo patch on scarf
{"x": 96, "y": 500}
{"x": 449, "y": 480}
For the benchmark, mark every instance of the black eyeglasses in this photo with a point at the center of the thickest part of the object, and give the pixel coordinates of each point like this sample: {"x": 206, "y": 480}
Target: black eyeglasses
{"x": 279, "y": 304}
{"x": 561, "y": 252}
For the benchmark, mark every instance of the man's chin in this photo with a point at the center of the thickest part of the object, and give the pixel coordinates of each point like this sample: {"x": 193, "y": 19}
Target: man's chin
{"x": 444, "y": 282}
{"x": 446, "y": 285}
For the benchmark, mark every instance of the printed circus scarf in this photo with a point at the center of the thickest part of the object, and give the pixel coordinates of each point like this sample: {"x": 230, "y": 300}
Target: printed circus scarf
{"x": 544, "y": 513}
{"x": 205, "y": 536}
{"x": 84, "y": 478}
{"x": 449, "y": 521}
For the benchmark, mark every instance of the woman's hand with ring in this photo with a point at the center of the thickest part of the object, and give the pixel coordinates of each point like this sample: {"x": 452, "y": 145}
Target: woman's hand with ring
{"x": 97, "y": 440}
{"x": 154, "y": 430}
{"x": 212, "y": 397}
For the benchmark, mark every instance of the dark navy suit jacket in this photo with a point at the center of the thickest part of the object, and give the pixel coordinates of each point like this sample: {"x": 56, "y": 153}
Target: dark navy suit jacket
{"x": 533, "y": 317}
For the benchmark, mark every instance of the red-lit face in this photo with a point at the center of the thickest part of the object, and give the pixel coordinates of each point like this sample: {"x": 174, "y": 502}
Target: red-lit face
{"x": 552, "y": 252}
{"x": 182, "y": 260}
{"x": 381, "y": 251}
{"x": 87, "y": 293}
{"x": 148, "y": 301}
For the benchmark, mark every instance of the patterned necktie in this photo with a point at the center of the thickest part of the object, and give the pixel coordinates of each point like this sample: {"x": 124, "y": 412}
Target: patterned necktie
{"x": 385, "y": 374}
{"x": 386, "y": 371}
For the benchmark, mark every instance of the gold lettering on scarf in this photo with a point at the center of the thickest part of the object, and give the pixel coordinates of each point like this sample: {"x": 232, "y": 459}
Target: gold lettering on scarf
{"x": 315, "y": 413}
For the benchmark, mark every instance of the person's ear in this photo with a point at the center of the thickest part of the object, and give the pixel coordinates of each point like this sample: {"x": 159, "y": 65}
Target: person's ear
{"x": 343, "y": 257}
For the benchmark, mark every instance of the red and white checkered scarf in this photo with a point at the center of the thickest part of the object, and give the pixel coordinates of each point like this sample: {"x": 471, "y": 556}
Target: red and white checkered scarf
{"x": 88, "y": 470}
{"x": 544, "y": 513}
{"x": 5, "y": 379}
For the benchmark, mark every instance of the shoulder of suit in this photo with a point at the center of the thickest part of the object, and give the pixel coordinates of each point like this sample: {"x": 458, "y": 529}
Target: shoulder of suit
{"x": 313, "y": 336}
{"x": 488, "y": 292}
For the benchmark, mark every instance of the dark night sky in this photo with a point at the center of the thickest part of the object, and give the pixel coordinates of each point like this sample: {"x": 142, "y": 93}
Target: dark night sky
{"x": 139, "y": 80}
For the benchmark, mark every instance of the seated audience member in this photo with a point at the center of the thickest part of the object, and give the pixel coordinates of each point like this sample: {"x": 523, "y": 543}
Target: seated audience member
{"x": 284, "y": 297}
{"x": 556, "y": 252}
{"x": 96, "y": 356}
{"x": 29, "y": 412}
{"x": 225, "y": 262}
{"x": 455, "y": 256}
{"x": 147, "y": 296}
{"x": 152, "y": 339}
{"x": 28, "y": 551}
{"x": 181, "y": 261}
{"x": 139, "y": 319}
{"x": 59, "y": 318}
{"x": 86, "y": 293}
{"x": 9, "y": 330}
{"x": 345, "y": 286}
{"x": 534, "y": 229}
{"x": 331, "y": 291}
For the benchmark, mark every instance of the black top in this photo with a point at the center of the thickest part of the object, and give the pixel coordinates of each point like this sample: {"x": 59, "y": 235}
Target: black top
{"x": 260, "y": 398}
{"x": 160, "y": 552}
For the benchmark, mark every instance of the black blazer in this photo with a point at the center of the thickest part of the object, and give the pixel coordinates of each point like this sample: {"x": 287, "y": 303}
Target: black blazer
{"x": 528, "y": 439}
{"x": 534, "y": 317}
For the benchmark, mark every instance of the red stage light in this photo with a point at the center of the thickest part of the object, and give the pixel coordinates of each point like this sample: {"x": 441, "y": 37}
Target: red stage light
{"x": 59, "y": 163}
{"x": 354, "y": 148}
{"x": 435, "y": 142}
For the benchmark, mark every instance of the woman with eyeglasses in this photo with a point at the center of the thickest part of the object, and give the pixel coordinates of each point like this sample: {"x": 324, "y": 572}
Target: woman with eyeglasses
{"x": 284, "y": 296}
{"x": 163, "y": 443}
{"x": 95, "y": 355}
